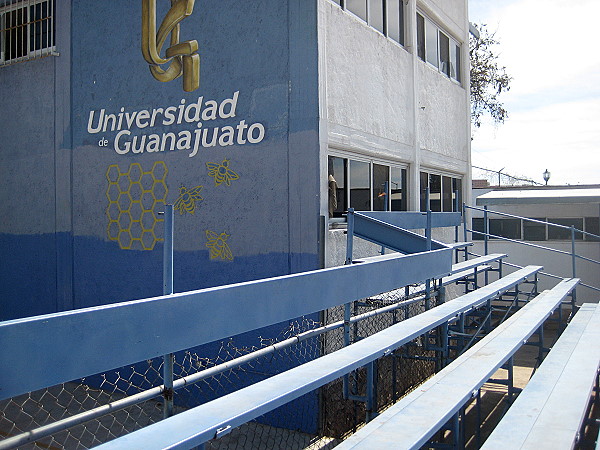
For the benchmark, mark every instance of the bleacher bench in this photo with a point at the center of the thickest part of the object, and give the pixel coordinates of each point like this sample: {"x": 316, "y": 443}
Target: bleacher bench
{"x": 410, "y": 423}
{"x": 551, "y": 409}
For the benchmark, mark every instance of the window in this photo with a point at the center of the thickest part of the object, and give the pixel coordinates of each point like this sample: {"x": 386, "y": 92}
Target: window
{"x": 338, "y": 167}
{"x": 381, "y": 187}
{"x": 444, "y": 192}
{"x": 368, "y": 185}
{"x": 478, "y": 224}
{"x": 437, "y": 48}
{"x": 386, "y": 16}
{"x": 376, "y": 15}
{"x": 507, "y": 228}
{"x": 398, "y": 189}
{"x": 457, "y": 194}
{"x": 563, "y": 234}
{"x": 360, "y": 185}
{"x": 592, "y": 226}
{"x": 358, "y": 7}
{"x": 431, "y": 44}
{"x": 26, "y": 30}
{"x": 444, "y": 42}
{"x": 533, "y": 231}
{"x": 455, "y": 62}
{"x": 421, "y": 36}
{"x": 395, "y": 20}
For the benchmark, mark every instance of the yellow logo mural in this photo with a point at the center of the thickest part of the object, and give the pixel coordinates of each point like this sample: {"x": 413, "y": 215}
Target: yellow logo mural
{"x": 135, "y": 198}
{"x": 186, "y": 202}
{"x": 221, "y": 172}
{"x": 217, "y": 244}
{"x": 181, "y": 57}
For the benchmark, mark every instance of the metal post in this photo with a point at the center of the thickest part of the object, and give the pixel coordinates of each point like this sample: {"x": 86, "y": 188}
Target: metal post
{"x": 347, "y": 306}
{"x": 456, "y": 430}
{"x": 346, "y": 378}
{"x": 455, "y": 208}
{"x": 511, "y": 388}
{"x": 386, "y": 187}
{"x": 573, "y": 254}
{"x": 486, "y": 230}
{"x": 370, "y": 406}
{"x": 443, "y": 352}
{"x": 540, "y": 344}
{"x": 478, "y": 429}
{"x": 349, "y": 236}
{"x": 168, "y": 290}
{"x": 574, "y": 264}
{"x": 428, "y": 247}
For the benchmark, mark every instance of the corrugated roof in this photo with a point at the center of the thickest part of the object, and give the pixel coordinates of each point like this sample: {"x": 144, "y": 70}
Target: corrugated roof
{"x": 539, "y": 196}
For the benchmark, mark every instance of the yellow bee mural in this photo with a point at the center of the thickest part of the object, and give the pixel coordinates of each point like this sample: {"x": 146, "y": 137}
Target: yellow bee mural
{"x": 221, "y": 172}
{"x": 217, "y": 244}
{"x": 186, "y": 202}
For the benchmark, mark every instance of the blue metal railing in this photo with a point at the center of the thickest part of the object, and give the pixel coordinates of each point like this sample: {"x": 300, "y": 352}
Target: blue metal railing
{"x": 573, "y": 233}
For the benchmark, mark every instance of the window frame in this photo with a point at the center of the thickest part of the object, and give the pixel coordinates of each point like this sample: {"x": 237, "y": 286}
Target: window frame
{"x": 384, "y": 7}
{"x": 346, "y": 200}
{"x": 455, "y": 182}
{"x": 454, "y": 48}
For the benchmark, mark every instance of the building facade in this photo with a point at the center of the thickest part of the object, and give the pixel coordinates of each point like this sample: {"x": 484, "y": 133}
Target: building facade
{"x": 237, "y": 113}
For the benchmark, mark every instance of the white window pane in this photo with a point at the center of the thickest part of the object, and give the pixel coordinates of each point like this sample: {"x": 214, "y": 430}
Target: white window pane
{"x": 455, "y": 62}
{"x": 431, "y": 43}
{"x": 376, "y": 14}
{"x": 358, "y": 7}
{"x": 360, "y": 185}
{"x": 444, "y": 43}
{"x": 421, "y": 36}
{"x": 395, "y": 20}
{"x": 381, "y": 187}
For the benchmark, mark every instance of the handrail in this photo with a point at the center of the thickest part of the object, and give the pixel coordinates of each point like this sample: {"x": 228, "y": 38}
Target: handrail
{"x": 231, "y": 309}
{"x": 556, "y": 277}
{"x": 486, "y": 234}
{"x": 489, "y": 211}
{"x": 529, "y": 244}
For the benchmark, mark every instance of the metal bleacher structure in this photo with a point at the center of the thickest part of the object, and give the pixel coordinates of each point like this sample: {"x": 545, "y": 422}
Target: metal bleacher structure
{"x": 465, "y": 338}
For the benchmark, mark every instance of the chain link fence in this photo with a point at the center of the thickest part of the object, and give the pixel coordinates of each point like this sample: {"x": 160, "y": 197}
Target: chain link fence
{"x": 106, "y": 406}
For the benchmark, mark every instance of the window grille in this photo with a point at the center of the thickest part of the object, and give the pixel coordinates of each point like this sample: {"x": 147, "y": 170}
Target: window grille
{"x": 27, "y": 30}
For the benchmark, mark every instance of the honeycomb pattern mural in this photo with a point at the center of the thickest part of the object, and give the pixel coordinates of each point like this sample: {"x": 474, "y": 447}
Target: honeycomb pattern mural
{"x": 135, "y": 199}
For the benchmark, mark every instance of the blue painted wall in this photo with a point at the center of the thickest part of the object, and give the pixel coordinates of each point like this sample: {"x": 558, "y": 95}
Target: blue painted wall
{"x": 74, "y": 210}
{"x": 79, "y": 216}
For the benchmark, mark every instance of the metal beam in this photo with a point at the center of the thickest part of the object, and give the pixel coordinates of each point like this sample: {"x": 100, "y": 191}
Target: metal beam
{"x": 416, "y": 220}
{"x": 74, "y": 344}
{"x": 390, "y": 236}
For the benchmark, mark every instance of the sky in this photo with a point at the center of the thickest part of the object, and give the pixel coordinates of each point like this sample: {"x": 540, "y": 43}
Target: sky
{"x": 551, "y": 50}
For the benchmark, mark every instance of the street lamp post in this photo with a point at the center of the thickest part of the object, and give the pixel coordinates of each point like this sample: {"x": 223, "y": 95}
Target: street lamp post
{"x": 546, "y": 176}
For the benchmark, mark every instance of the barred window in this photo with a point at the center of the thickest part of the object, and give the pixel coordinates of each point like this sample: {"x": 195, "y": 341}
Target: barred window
{"x": 27, "y": 30}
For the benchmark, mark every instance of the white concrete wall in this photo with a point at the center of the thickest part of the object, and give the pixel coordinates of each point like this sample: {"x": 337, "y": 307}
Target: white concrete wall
{"x": 369, "y": 87}
{"x": 378, "y": 99}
